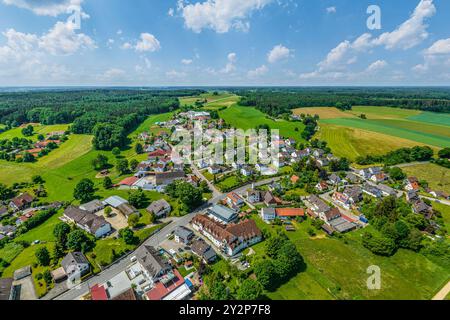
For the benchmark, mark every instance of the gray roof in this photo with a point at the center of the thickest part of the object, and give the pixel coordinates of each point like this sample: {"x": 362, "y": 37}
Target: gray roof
{"x": 22, "y": 273}
{"x": 85, "y": 218}
{"x": 353, "y": 192}
{"x": 223, "y": 213}
{"x": 151, "y": 260}
{"x": 268, "y": 211}
{"x": 387, "y": 189}
{"x": 352, "y": 177}
{"x": 127, "y": 209}
{"x": 5, "y": 288}
{"x": 319, "y": 203}
{"x": 334, "y": 178}
{"x": 183, "y": 232}
{"x": 3, "y": 210}
{"x": 115, "y": 201}
{"x": 341, "y": 225}
{"x": 7, "y": 229}
{"x": 93, "y": 206}
{"x": 158, "y": 206}
{"x": 201, "y": 248}
{"x": 73, "y": 258}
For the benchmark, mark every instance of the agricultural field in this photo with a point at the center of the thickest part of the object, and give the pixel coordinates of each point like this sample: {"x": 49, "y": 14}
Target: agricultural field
{"x": 248, "y": 118}
{"x": 223, "y": 99}
{"x": 336, "y": 269}
{"x": 384, "y": 130}
{"x": 38, "y": 129}
{"x": 438, "y": 177}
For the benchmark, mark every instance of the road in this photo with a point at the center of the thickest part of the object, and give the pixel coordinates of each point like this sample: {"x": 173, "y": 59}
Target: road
{"x": 212, "y": 187}
{"x": 443, "y": 292}
{"x": 155, "y": 240}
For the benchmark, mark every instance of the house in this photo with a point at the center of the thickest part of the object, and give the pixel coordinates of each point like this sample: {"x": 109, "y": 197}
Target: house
{"x": 128, "y": 182}
{"x": 234, "y": 200}
{"x": 93, "y": 206}
{"x": 354, "y": 194}
{"x": 21, "y": 202}
{"x": 153, "y": 264}
{"x": 128, "y": 210}
{"x": 183, "y": 235}
{"x": 75, "y": 265}
{"x": 317, "y": 205}
{"x": 329, "y": 215}
{"x": 289, "y": 213}
{"x": 215, "y": 169}
{"x": 440, "y": 194}
{"x": 160, "y": 208}
{"x": 159, "y": 153}
{"x": 371, "y": 190}
{"x": 268, "y": 214}
{"x": 247, "y": 171}
{"x": 8, "y": 230}
{"x": 6, "y": 289}
{"x": 3, "y": 211}
{"x": 202, "y": 164}
{"x": 386, "y": 190}
{"x": 342, "y": 200}
{"x": 421, "y": 207}
{"x": 114, "y": 201}
{"x": 171, "y": 286}
{"x": 294, "y": 179}
{"x": 322, "y": 186}
{"x": 379, "y": 177}
{"x": 352, "y": 178}
{"x": 322, "y": 162}
{"x": 412, "y": 196}
{"x": 166, "y": 178}
{"x": 203, "y": 250}
{"x": 91, "y": 223}
{"x": 412, "y": 183}
{"x": 253, "y": 196}
{"x": 318, "y": 153}
{"x": 334, "y": 179}
{"x": 270, "y": 200}
{"x": 230, "y": 239}
{"x": 222, "y": 214}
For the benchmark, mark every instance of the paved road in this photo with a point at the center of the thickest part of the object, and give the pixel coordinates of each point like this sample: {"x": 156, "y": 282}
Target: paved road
{"x": 443, "y": 292}
{"x": 212, "y": 187}
{"x": 155, "y": 240}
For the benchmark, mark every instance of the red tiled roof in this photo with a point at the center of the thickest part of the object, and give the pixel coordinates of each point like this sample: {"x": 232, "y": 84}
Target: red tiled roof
{"x": 128, "y": 181}
{"x": 161, "y": 290}
{"x": 290, "y": 212}
{"x": 158, "y": 153}
{"x": 294, "y": 179}
{"x": 98, "y": 293}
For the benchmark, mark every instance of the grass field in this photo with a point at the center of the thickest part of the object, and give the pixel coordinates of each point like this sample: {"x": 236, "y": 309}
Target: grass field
{"x": 437, "y": 177}
{"x": 323, "y": 112}
{"x": 351, "y": 142}
{"x": 336, "y": 269}
{"x": 383, "y": 112}
{"x": 40, "y": 129}
{"x": 149, "y": 124}
{"x": 248, "y": 118}
{"x": 433, "y": 118}
{"x": 223, "y": 99}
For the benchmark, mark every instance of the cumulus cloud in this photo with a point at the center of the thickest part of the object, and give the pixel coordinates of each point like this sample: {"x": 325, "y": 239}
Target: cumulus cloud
{"x": 278, "y": 53}
{"x": 148, "y": 43}
{"x": 377, "y": 66}
{"x": 186, "y": 61}
{"x": 230, "y": 67}
{"x": 439, "y": 47}
{"x": 260, "y": 71}
{"x": 219, "y": 15}
{"x": 331, "y": 10}
{"x": 47, "y": 7}
{"x": 436, "y": 56}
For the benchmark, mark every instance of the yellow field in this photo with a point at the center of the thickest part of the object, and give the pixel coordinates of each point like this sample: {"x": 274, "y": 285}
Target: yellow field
{"x": 352, "y": 142}
{"x": 437, "y": 177}
{"x": 383, "y": 112}
{"x": 324, "y": 112}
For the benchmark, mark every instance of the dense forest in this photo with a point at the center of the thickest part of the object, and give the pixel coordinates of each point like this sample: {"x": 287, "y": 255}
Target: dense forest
{"x": 276, "y": 101}
{"x": 108, "y": 114}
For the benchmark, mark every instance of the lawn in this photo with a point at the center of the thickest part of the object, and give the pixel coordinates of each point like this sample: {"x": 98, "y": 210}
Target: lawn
{"x": 336, "y": 268}
{"x": 352, "y": 142}
{"x": 445, "y": 210}
{"x": 249, "y": 118}
{"x": 437, "y": 177}
{"x": 44, "y": 232}
{"x": 229, "y": 183}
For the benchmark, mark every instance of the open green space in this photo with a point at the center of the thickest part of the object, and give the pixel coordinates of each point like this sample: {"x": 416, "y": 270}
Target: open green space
{"x": 433, "y": 118}
{"x": 438, "y": 177}
{"x": 39, "y": 129}
{"x": 249, "y": 118}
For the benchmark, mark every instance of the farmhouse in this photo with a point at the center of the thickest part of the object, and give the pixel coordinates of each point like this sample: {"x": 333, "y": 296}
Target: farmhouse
{"x": 21, "y": 202}
{"x": 229, "y": 239}
{"x": 89, "y": 222}
{"x": 75, "y": 266}
{"x": 160, "y": 208}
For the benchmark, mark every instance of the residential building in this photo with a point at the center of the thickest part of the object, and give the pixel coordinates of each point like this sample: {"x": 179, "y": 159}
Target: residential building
{"x": 352, "y": 178}
{"x": 21, "y": 202}
{"x": 91, "y": 223}
{"x": 270, "y": 200}
{"x": 371, "y": 190}
{"x": 153, "y": 264}
{"x": 93, "y": 206}
{"x": 386, "y": 190}
{"x": 322, "y": 186}
{"x": 203, "y": 250}
{"x": 160, "y": 208}
{"x": 329, "y": 215}
{"x": 247, "y": 171}
{"x": 412, "y": 196}
{"x": 268, "y": 214}
{"x": 421, "y": 207}
{"x": 75, "y": 265}
{"x": 170, "y": 287}
{"x": 379, "y": 177}
{"x": 215, "y": 169}
{"x": 183, "y": 235}
{"x": 253, "y": 196}
{"x": 3, "y": 211}
{"x": 354, "y": 194}
{"x": 412, "y": 183}
{"x": 334, "y": 179}
{"x": 234, "y": 200}
{"x": 342, "y": 200}
{"x": 222, "y": 214}
{"x": 318, "y": 205}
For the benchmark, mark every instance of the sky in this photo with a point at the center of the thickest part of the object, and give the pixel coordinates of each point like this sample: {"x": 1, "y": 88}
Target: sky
{"x": 224, "y": 42}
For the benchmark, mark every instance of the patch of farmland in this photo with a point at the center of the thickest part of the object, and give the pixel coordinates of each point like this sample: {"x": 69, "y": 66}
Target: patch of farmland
{"x": 433, "y": 118}
{"x": 323, "y": 112}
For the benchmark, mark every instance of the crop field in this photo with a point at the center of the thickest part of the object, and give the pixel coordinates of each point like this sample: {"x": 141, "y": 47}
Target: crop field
{"x": 383, "y": 112}
{"x": 222, "y": 99}
{"x": 323, "y": 112}
{"x": 438, "y": 177}
{"x": 248, "y": 118}
{"x": 433, "y": 118}
{"x": 336, "y": 269}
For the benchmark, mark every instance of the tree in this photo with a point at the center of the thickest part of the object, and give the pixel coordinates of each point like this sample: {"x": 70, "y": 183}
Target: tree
{"x": 122, "y": 166}
{"x": 43, "y": 256}
{"x": 77, "y": 240}
{"x": 133, "y": 164}
{"x": 61, "y": 232}
{"x": 5, "y": 192}
{"x": 217, "y": 290}
{"x": 108, "y": 136}
{"x": 28, "y": 131}
{"x": 138, "y": 199}
{"x": 58, "y": 251}
{"x": 128, "y": 236}
{"x": 138, "y": 148}
{"x": 379, "y": 245}
{"x": 100, "y": 162}
{"x": 266, "y": 274}
{"x": 41, "y": 137}
{"x": 249, "y": 290}
{"x": 84, "y": 190}
{"x": 444, "y": 153}
{"x": 397, "y": 174}
{"x": 108, "y": 212}
{"x": 116, "y": 152}
{"x": 37, "y": 180}
{"x": 190, "y": 196}
{"x": 107, "y": 183}
{"x": 47, "y": 275}
{"x": 28, "y": 157}
{"x": 133, "y": 220}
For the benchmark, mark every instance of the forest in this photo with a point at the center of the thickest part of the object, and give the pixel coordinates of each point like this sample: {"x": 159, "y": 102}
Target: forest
{"x": 276, "y": 101}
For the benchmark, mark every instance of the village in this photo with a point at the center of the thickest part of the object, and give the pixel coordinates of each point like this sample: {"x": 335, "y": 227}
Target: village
{"x": 169, "y": 264}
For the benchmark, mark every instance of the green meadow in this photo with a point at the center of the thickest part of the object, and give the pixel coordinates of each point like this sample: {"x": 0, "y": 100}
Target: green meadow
{"x": 39, "y": 129}
{"x": 249, "y": 118}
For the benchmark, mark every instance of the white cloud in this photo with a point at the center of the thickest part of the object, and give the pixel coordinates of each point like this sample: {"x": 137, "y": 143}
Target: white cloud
{"x": 186, "y": 61}
{"x": 219, "y": 15}
{"x": 331, "y": 10}
{"x": 412, "y": 32}
{"x": 148, "y": 43}
{"x": 47, "y": 7}
{"x": 278, "y": 53}
{"x": 126, "y": 46}
{"x": 62, "y": 40}
{"x": 377, "y": 66}
{"x": 119, "y": 32}
{"x": 112, "y": 74}
{"x": 436, "y": 57}
{"x": 262, "y": 70}
{"x": 230, "y": 67}
{"x": 439, "y": 47}
{"x": 171, "y": 12}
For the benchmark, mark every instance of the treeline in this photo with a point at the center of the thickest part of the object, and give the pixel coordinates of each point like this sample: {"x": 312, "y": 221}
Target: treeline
{"x": 276, "y": 101}
{"x": 108, "y": 114}
{"x": 403, "y": 155}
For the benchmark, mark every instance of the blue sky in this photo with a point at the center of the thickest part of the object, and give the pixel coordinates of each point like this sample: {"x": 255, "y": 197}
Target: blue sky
{"x": 223, "y": 42}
